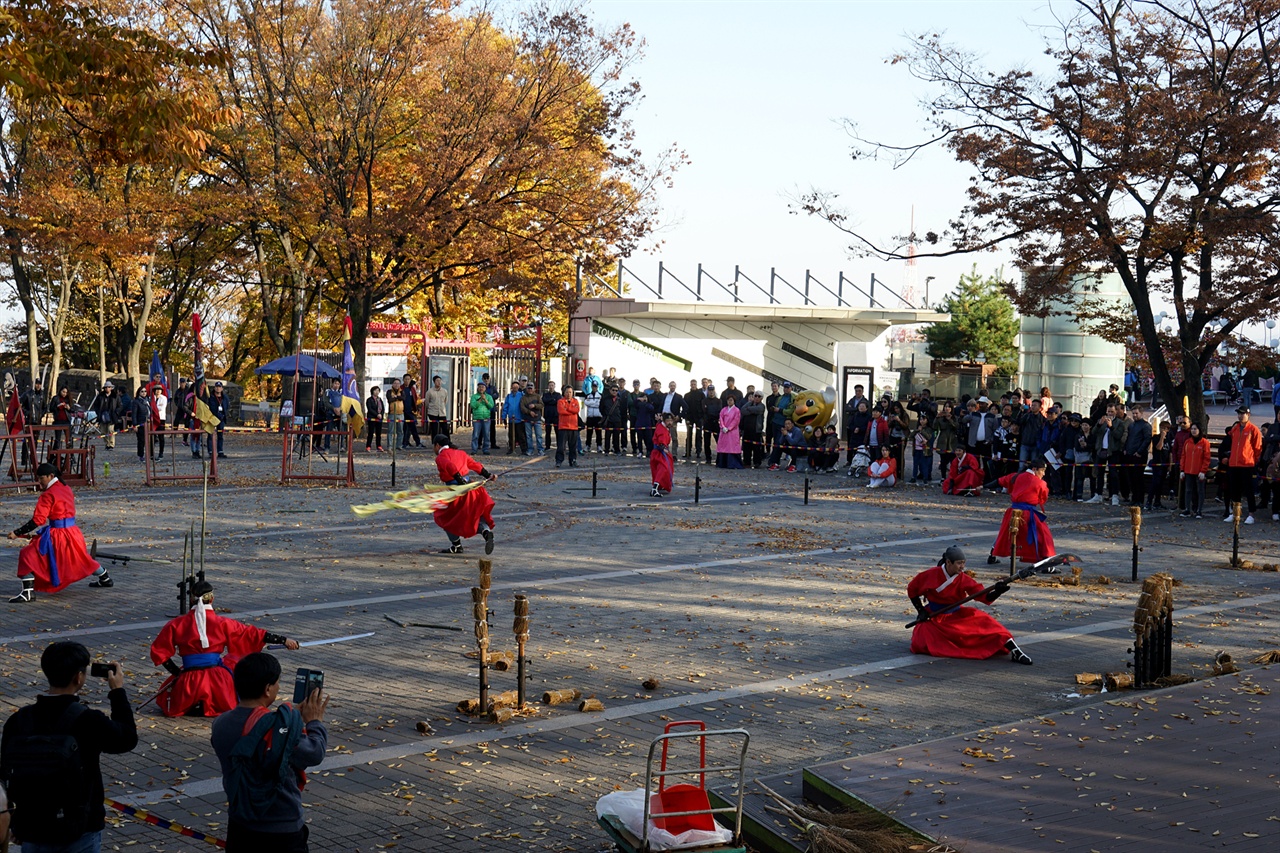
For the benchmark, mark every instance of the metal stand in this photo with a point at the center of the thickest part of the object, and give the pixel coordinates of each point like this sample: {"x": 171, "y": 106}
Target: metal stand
{"x": 1235, "y": 534}
{"x": 697, "y": 489}
{"x": 1135, "y": 518}
{"x": 806, "y": 491}
{"x": 521, "y": 629}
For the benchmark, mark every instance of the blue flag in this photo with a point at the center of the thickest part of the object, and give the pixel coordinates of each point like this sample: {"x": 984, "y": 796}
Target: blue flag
{"x": 351, "y": 403}
{"x": 157, "y": 367}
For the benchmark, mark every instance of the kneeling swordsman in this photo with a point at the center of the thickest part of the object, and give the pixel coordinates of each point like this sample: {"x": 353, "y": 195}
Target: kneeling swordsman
{"x": 948, "y": 631}
{"x": 210, "y": 646}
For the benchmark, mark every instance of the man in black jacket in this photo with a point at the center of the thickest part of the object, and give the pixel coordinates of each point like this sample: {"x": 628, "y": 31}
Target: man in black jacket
{"x": 694, "y": 406}
{"x": 550, "y": 399}
{"x": 710, "y": 423}
{"x": 1137, "y": 445}
{"x": 34, "y": 407}
{"x": 753, "y": 417}
{"x": 612, "y": 409}
{"x": 76, "y": 821}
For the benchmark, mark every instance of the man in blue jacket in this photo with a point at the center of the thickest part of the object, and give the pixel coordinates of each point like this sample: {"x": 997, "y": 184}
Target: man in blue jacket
{"x": 515, "y": 426}
{"x": 265, "y": 804}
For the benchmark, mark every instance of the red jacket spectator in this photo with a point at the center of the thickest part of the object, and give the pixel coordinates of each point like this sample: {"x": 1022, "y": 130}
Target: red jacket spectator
{"x": 567, "y": 408}
{"x": 1195, "y": 458}
{"x": 1246, "y": 445}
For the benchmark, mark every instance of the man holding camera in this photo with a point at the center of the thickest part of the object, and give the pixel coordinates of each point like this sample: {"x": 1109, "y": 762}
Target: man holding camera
{"x": 255, "y": 744}
{"x": 49, "y": 754}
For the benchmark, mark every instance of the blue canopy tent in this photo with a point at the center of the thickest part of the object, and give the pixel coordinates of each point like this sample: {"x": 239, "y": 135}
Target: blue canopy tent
{"x": 306, "y": 366}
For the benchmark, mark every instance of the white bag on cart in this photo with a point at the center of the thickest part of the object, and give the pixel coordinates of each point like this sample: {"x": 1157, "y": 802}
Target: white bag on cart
{"x": 628, "y": 807}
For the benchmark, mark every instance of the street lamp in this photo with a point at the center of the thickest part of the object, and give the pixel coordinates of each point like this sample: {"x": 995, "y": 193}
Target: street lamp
{"x": 927, "y": 279}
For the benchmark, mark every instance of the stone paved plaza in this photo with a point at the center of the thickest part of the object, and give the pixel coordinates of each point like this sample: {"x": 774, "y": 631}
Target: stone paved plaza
{"x": 752, "y": 609}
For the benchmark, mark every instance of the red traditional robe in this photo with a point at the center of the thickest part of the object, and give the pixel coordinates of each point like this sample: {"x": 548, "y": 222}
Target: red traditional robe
{"x": 203, "y": 679}
{"x": 57, "y": 556}
{"x": 963, "y": 477}
{"x": 964, "y": 633}
{"x": 661, "y": 465}
{"x": 1028, "y": 493}
{"x": 462, "y": 517}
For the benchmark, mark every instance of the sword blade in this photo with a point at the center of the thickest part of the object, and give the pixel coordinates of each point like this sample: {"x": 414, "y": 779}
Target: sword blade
{"x": 332, "y": 640}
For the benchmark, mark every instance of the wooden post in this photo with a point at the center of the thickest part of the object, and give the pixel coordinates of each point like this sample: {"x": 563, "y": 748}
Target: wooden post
{"x": 1015, "y": 527}
{"x": 479, "y": 610}
{"x": 1135, "y": 519}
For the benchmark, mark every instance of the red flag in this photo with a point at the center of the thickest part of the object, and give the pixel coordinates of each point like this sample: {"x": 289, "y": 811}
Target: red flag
{"x": 14, "y": 418}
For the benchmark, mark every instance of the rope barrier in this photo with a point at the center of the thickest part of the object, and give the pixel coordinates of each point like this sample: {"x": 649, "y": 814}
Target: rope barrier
{"x": 147, "y": 817}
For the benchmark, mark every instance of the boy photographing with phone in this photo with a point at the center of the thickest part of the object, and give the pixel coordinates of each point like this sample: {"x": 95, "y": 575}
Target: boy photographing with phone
{"x": 264, "y": 752}
{"x": 49, "y": 753}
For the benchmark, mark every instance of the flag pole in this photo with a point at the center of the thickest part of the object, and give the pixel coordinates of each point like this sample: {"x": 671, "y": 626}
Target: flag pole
{"x": 204, "y": 510}
{"x": 315, "y": 393}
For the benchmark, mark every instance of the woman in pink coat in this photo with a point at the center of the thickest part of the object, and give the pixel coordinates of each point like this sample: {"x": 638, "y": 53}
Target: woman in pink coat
{"x": 729, "y": 445}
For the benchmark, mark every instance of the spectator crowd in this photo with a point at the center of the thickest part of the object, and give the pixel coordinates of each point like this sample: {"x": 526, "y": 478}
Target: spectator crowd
{"x": 1112, "y": 452}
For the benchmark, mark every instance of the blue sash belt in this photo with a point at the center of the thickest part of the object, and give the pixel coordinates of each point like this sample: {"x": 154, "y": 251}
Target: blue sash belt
{"x": 1033, "y": 536}
{"x": 44, "y": 546}
{"x": 202, "y": 660}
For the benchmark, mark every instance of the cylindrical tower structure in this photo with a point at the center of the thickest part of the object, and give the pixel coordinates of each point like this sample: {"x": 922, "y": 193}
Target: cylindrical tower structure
{"x": 1074, "y": 364}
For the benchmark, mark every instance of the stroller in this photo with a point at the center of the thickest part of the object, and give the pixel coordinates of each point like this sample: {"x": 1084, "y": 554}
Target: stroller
{"x": 861, "y": 462}
{"x": 85, "y": 424}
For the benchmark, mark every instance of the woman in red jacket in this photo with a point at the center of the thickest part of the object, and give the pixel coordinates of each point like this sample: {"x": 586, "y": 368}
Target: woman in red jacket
{"x": 1193, "y": 467}
{"x": 883, "y": 473}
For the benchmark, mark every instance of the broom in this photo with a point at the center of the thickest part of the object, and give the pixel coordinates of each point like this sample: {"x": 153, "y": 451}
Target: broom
{"x": 822, "y": 839}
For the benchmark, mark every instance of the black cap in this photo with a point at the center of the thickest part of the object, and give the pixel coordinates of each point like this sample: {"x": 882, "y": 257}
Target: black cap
{"x": 1243, "y": 410}
{"x": 954, "y": 554}
{"x": 439, "y": 438}
{"x": 201, "y": 588}
{"x": 47, "y": 469}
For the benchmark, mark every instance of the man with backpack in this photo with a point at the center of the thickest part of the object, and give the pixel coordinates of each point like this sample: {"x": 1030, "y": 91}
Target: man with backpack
{"x": 49, "y": 754}
{"x": 263, "y": 752}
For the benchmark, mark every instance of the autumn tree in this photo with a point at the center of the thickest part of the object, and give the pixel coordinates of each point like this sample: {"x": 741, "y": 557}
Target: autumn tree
{"x": 407, "y": 157}
{"x": 982, "y": 321}
{"x": 85, "y": 81}
{"x": 1149, "y": 150}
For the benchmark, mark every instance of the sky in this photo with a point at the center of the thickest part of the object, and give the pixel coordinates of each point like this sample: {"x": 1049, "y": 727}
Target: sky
{"x": 756, "y": 94}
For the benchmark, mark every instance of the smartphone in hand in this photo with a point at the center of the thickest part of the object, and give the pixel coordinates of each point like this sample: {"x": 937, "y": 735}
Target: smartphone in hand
{"x": 305, "y": 682}
{"x": 101, "y": 670}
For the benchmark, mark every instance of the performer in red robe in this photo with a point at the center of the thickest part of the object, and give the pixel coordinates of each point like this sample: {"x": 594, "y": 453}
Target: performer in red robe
{"x": 473, "y": 512}
{"x": 56, "y": 556}
{"x": 965, "y": 632}
{"x": 661, "y": 464}
{"x": 210, "y": 646}
{"x": 1028, "y": 491}
{"x": 964, "y": 475}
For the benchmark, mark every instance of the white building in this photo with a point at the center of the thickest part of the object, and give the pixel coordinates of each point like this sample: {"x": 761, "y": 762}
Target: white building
{"x": 1075, "y": 364}
{"x": 812, "y": 346}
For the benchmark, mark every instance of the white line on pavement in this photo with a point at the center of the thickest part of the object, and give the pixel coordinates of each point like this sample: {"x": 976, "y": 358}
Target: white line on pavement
{"x": 44, "y": 636}
{"x": 395, "y": 751}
